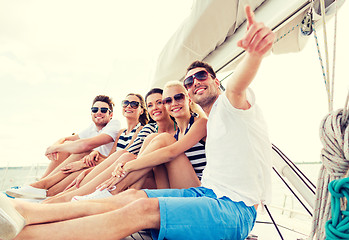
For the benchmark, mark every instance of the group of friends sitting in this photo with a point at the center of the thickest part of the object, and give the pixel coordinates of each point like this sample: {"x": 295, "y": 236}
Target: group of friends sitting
{"x": 192, "y": 163}
{"x": 157, "y": 152}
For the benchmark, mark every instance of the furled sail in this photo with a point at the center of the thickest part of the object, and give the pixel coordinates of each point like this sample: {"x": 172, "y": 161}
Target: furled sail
{"x": 211, "y": 32}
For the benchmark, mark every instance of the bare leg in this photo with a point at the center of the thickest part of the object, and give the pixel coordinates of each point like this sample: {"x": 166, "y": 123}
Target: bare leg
{"x": 54, "y": 164}
{"x": 116, "y": 218}
{"x": 90, "y": 186}
{"x": 161, "y": 177}
{"x": 71, "y": 158}
{"x": 60, "y": 186}
{"x": 136, "y": 179}
{"x": 49, "y": 181}
{"x": 99, "y": 174}
{"x": 35, "y": 213}
{"x": 102, "y": 166}
{"x": 146, "y": 182}
{"x": 180, "y": 172}
{"x": 55, "y": 183}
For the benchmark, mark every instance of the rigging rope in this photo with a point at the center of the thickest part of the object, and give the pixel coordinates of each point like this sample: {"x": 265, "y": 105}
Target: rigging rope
{"x": 330, "y": 103}
{"x": 335, "y": 163}
{"x": 338, "y": 226}
{"x": 334, "y": 135}
{"x": 329, "y": 84}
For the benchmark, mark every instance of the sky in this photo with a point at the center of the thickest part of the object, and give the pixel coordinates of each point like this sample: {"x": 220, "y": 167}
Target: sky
{"x": 56, "y": 56}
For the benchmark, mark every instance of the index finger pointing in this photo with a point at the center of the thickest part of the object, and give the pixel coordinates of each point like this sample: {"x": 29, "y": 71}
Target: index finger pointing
{"x": 249, "y": 15}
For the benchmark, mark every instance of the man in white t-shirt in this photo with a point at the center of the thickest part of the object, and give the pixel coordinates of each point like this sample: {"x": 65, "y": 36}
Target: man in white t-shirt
{"x": 100, "y": 136}
{"x": 235, "y": 181}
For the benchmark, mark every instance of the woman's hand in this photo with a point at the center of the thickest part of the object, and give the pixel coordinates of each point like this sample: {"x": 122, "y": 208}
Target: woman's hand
{"x": 78, "y": 179}
{"x": 91, "y": 159}
{"x": 74, "y": 166}
{"x": 51, "y": 153}
{"x": 120, "y": 170}
{"x": 117, "y": 175}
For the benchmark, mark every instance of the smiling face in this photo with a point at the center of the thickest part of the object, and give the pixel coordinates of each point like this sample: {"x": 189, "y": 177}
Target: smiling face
{"x": 128, "y": 111}
{"x": 101, "y": 119}
{"x": 203, "y": 92}
{"x": 156, "y": 109}
{"x": 177, "y": 109}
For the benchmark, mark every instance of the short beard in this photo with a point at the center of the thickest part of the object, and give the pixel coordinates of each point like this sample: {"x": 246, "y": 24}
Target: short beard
{"x": 101, "y": 125}
{"x": 208, "y": 101}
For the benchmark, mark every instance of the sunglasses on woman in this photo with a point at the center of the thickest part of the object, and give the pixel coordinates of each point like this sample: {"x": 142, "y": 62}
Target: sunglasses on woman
{"x": 178, "y": 98}
{"x": 133, "y": 104}
{"x": 103, "y": 109}
{"x": 189, "y": 81}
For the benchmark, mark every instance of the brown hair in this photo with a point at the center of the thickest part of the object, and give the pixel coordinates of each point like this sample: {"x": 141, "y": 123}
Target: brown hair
{"x": 201, "y": 64}
{"x": 106, "y": 99}
{"x": 143, "y": 118}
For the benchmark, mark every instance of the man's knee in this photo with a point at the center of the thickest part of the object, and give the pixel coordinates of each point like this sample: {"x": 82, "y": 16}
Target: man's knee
{"x": 132, "y": 195}
{"x": 148, "y": 206}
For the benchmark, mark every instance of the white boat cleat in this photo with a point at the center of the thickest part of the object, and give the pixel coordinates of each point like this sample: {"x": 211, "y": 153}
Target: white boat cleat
{"x": 11, "y": 222}
{"x": 98, "y": 194}
{"x": 28, "y": 192}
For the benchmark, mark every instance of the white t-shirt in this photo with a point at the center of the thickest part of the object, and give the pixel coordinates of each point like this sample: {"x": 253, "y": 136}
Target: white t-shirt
{"x": 111, "y": 129}
{"x": 238, "y": 153}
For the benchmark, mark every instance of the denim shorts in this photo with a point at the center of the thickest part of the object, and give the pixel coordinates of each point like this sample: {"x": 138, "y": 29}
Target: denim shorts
{"x": 197, "y": 213}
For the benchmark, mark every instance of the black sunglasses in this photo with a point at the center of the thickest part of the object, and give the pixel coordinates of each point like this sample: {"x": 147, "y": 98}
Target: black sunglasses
{"x": 133, "y": 104}
{"x": 201, "y": 76}
{"x": 103, "y": 109}
{"x": 178, "y": 98}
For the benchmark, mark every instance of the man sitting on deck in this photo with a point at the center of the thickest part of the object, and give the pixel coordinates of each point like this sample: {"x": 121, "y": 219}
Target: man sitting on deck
{"x": 235, "y": 181}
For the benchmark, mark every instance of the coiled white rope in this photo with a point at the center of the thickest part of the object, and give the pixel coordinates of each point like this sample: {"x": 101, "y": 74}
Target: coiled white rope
{"x": 334, "y": 135}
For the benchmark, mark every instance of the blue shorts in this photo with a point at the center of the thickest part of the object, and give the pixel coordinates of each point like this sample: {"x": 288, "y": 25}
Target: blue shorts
{"x": 197, "y": 213}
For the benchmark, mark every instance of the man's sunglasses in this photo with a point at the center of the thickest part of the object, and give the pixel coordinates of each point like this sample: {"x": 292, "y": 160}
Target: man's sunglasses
{"x": 133, "y": 104}
{"x": 178, "y": 98}
{"x": 103, "y": 109}
{"x": 189, "y": 81}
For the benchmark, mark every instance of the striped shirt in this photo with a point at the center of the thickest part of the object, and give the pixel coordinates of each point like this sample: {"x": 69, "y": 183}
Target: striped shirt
{"x": 196, "y": 154}
{"x": 125, "y": 139}
{"x": 138, "y": 142}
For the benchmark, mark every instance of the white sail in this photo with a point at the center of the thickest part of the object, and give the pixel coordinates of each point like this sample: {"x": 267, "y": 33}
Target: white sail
{"x": 213, "y": 28}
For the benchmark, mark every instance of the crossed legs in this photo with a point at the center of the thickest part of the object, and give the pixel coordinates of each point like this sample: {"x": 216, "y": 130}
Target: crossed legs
{"x": 53, "y": 182}
{"x": 99, "y": 174}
